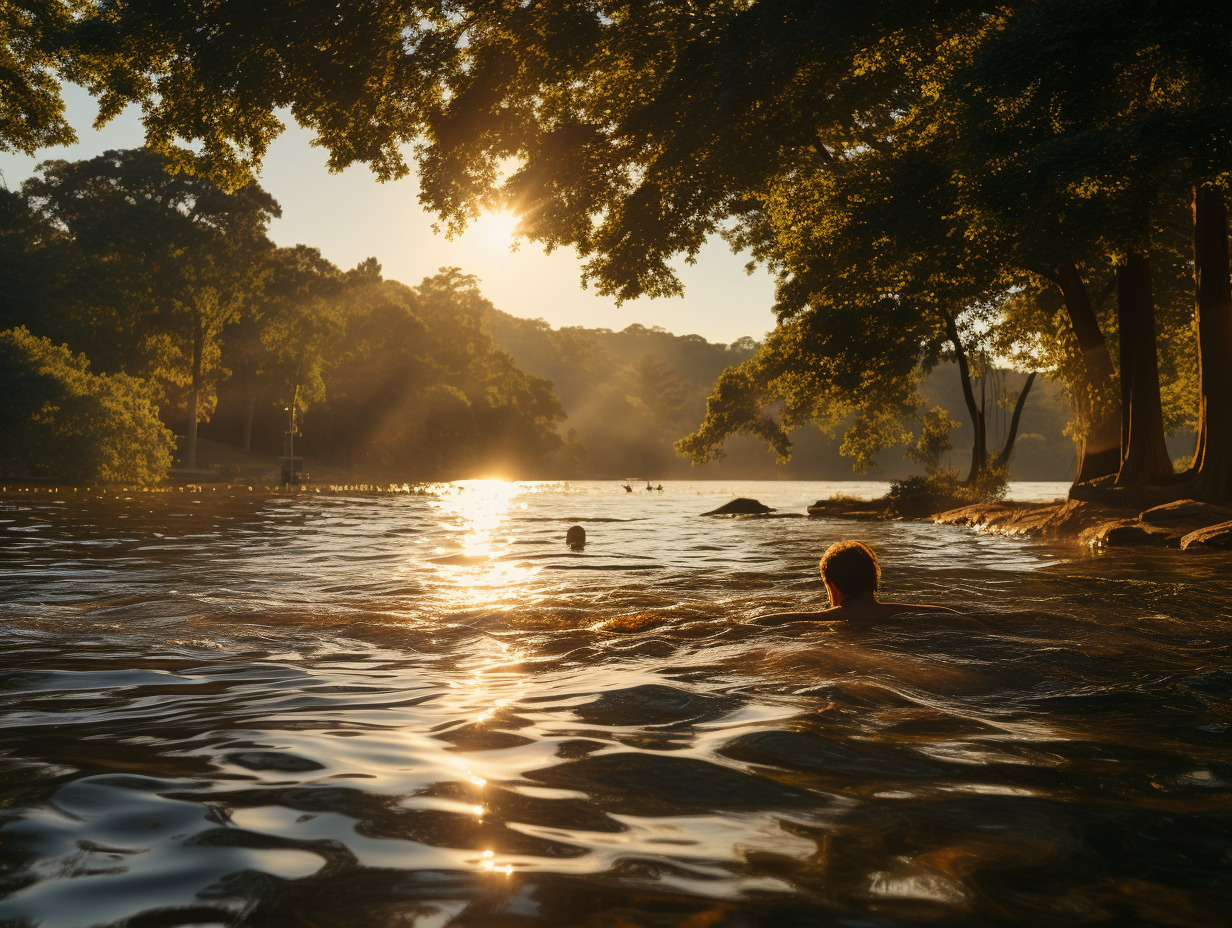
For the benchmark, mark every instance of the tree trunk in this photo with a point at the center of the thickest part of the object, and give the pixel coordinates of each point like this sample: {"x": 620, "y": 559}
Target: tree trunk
{"x": 194, "y": 397}
{"x": 1144, "y": 453}
{"x": 1100, "y": 454}
{"x": 1003, "y": 459}
{"x": 250, "y": 409}
{"x": 190, "y": 444}
{"x": 1212, "y": 468}
{"x": 979, "y": 449}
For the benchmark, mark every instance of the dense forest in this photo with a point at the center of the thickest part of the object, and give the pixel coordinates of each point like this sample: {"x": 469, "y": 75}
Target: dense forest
{"x": 140, "y": 301}
{"x": 1041, "y": 181}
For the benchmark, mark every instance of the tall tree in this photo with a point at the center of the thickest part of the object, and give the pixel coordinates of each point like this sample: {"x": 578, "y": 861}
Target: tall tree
{"x": 1144, "y": 453}
{"x": 875, "y": 257}
{"x": 162, "y": 262}
{"x": 1101, "y": 105}
{"x": 26, "y": 262}
{"x": 286, "y": 336}
{"x": 1213, "y": 315}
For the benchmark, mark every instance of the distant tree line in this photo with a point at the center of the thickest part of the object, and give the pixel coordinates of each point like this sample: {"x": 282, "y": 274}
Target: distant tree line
{"x": 630, "y": 396}
{"x": 137, "y": 297}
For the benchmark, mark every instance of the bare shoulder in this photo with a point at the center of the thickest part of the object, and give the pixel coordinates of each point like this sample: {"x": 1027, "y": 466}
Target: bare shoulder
{"x": 916, "y": 607}
{"x": 784, "y": 618}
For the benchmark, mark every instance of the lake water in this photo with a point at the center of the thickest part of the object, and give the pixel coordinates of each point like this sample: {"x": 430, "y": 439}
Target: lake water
{"x": 233, "y": 708}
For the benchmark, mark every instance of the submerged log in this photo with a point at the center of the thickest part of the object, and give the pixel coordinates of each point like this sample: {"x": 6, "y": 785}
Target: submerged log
{"x": 1212, "y": 536}
{"x": 1185, "y": 515}
{"x": 1128, "y": 533}
{"x": 845, "y": 508}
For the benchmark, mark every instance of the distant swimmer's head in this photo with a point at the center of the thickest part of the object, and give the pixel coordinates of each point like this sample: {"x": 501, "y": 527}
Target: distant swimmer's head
{"x": 851, "y": 568}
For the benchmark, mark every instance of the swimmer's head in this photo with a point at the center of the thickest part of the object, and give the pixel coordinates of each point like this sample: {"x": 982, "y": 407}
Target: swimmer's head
{"x": 851, "y": 568}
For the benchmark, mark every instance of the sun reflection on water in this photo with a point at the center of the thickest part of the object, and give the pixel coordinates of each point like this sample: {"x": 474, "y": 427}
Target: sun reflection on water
{"x": 477, "y": 568}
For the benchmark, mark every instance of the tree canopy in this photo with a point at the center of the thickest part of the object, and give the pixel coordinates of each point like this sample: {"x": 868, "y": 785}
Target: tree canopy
{"x": 914, "y": 172}
{"x": 171, "y": 260}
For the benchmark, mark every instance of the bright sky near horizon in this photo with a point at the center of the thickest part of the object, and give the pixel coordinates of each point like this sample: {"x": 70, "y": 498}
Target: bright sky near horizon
{"x": 350, "y": 217}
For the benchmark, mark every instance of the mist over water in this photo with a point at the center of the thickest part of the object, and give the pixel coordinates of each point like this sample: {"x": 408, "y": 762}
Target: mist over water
{"x": 426, "y": 710}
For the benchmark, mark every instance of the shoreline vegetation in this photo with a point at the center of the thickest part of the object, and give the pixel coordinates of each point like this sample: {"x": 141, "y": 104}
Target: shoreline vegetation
{"x": 1106, "y": 519}
{"x": 1098, "y": 523}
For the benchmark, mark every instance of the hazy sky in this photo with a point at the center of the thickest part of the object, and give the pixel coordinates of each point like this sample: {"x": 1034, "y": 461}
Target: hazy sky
{"x": 350, "y": 217}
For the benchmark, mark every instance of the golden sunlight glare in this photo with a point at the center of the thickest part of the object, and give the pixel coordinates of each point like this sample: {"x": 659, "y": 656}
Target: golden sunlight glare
{"x": 481, "y": 574}
{"x": 494, "y": 230}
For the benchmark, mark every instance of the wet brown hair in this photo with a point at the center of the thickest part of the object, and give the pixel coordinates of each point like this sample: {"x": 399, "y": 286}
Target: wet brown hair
{"x": 852, "y": 567}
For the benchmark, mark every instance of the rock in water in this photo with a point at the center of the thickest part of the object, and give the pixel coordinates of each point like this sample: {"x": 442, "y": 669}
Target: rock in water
{"x": 740, "y": 506}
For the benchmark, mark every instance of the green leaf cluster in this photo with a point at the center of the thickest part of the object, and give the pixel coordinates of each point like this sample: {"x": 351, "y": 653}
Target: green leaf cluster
{"x": 61, "y": 420}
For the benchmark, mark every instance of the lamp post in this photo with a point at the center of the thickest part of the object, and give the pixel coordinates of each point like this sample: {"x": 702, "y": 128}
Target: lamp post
{"x": 288, "y": 475}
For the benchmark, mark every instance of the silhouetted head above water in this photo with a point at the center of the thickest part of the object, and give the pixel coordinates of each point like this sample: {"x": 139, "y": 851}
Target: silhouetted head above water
{"x": 851, "y": 573}
{"x": 850, "y": 567}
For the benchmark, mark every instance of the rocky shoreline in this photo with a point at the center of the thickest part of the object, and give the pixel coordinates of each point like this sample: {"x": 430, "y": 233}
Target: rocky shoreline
{"x": 1185, "y": 524}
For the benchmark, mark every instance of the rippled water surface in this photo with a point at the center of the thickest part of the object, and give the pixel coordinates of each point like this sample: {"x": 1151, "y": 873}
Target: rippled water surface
{"x": 226, "y": 708}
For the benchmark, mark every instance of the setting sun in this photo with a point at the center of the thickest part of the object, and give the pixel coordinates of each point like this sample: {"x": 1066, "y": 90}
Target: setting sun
{"x": 495, "y": 230}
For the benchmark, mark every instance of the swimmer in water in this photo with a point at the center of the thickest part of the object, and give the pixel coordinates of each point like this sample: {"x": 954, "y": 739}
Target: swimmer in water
{"x": 851, "y": 573}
